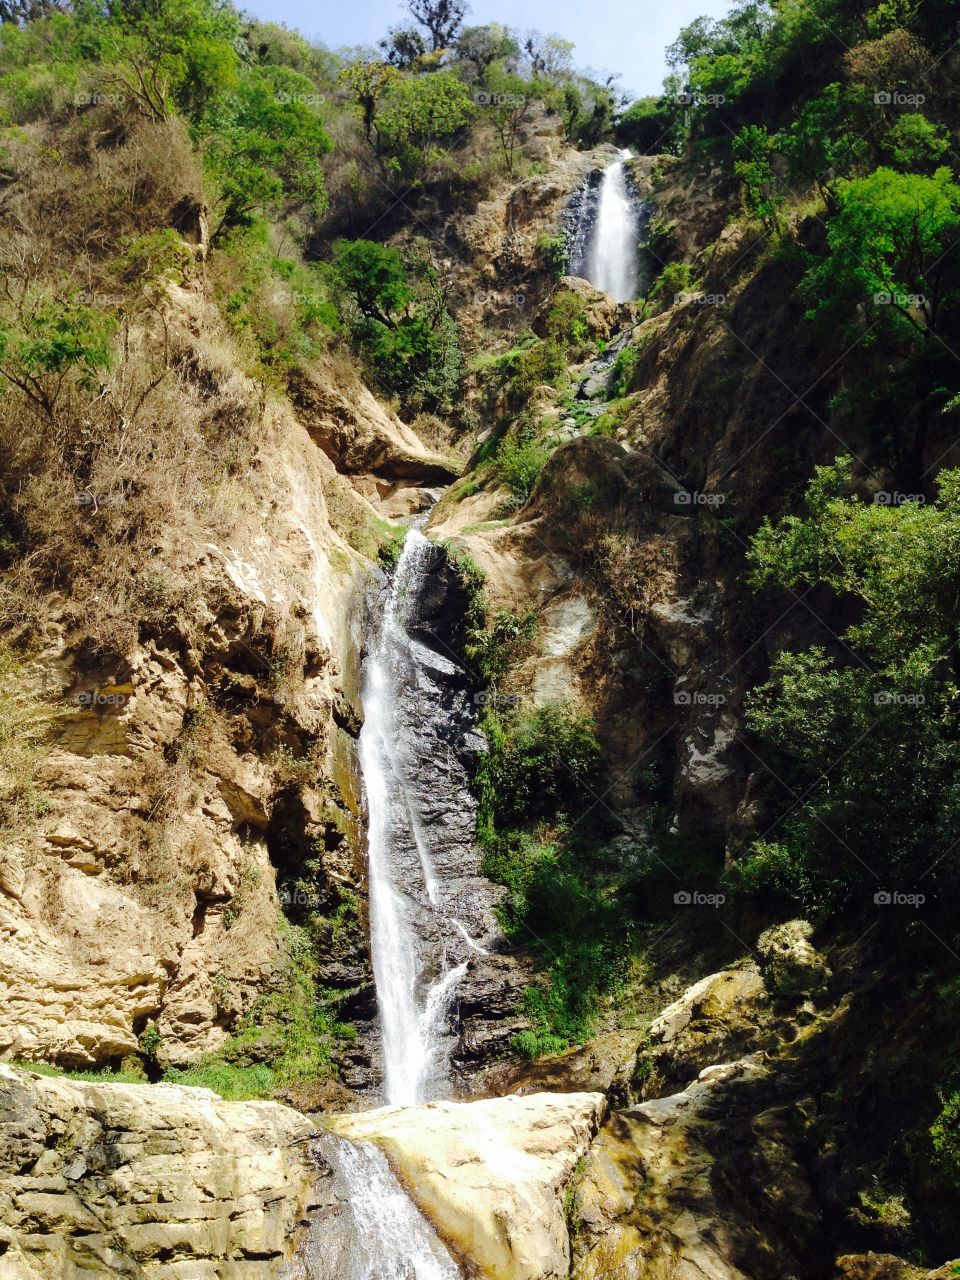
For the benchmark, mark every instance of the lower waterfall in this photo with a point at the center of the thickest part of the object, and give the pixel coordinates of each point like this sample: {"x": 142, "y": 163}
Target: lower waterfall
{"x": 367, "y": 1227}
{"x": 414, "y": 983}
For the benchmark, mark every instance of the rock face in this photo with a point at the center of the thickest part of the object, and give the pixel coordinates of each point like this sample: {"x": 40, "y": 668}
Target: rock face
{"x": 490, "y": 1175}
{"x": 190, "y": 773}
{"x": 673, "y": 1187}
{"x": 146, "y": 1180}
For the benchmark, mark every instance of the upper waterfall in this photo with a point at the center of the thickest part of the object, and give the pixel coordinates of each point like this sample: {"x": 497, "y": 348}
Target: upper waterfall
{"x": 607, "y": 234}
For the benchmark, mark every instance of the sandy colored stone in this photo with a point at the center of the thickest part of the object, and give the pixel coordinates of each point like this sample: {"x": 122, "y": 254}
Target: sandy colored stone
{"x": 490, "y": 1175}
{"x": 151, "y": 1180}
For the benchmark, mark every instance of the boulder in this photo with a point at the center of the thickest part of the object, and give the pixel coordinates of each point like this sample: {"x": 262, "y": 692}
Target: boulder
{"x": 490, "y": 1175}
{"x": 719, "y": 1018}
{"x": 704, "y": 1183}
{"x": 601, "y": 311}
{"x": 793, "y": 969}
{"x": 150, "y": 1180}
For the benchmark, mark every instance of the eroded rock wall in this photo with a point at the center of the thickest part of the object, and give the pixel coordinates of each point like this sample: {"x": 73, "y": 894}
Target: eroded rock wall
{"x": 146, "y": 1180}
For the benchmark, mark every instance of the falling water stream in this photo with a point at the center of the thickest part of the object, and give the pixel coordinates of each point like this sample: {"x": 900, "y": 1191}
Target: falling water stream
{"x": 414, "y": 984}
{"x": 606, "y": 232}
{"x": 364, "y": 1226}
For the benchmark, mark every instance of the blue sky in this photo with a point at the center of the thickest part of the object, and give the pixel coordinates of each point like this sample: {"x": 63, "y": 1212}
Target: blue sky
{"x": 625, "y": 36}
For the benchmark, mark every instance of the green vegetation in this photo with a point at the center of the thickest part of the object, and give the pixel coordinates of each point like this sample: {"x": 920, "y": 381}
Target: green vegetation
{"x": 287, "y": 1036}
{"x": 887, "y": 251}
{"x": 866, "y": 736}
{"x": 519, "y": 461}
{"x": 542, "y": 769}
{"x": 403, "y": 325}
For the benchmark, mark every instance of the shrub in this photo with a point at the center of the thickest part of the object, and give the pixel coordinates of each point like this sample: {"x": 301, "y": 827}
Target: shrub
{"x": 624, "y": 369}
{"x": 566, "y": 321}
{"x": 649, "y": 125}
{"x": 882, "y": 709}
{"x": 945, "y": 1133}
{"x": 539, "y": 365}
{"x": 519, "y": 462}
{"x": 416, "y": 114}
{"x": 538, "y": 762}
{"x": 409, "y": 336}
{"x": 675, "y": 278}
{"x": 554, "y": 255}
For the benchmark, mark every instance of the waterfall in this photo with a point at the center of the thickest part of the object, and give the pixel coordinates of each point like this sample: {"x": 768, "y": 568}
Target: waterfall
{"x": 414, "y": 980}
{"x": 366, "y": 1226}
{"x": 606, "y": 232}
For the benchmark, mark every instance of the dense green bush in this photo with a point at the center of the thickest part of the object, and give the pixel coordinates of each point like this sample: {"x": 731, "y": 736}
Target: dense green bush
{"x": 403, "y": 325}
{"x": 866, "y": 737}
{"x": 539, "y": 762}
{"x": 416, "y": 116}
{"x": 519, "y": 462}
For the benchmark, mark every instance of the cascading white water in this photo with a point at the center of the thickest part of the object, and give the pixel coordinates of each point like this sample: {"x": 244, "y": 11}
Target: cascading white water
{"x": 376, "y": 1232}
{"x": 611, "y": 256}
{"x": 413, "y": 1002}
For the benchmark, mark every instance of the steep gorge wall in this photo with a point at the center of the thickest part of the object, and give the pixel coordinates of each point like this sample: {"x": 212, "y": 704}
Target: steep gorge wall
{"x": 192, "y": 774}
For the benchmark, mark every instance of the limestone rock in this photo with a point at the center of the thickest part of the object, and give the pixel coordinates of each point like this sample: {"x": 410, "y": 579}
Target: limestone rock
{"x": 150, "y": 1180}
{"x": 793, "y": 969}
{"x": 490, "y": 1175}
{"x": 718, "y": 1019}
{"x": 360, "y": 436}
{"x": 880, "y": 1266}
{"x": 701, "y": 1183}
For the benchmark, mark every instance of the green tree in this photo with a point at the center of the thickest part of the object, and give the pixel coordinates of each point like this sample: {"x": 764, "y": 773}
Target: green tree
{"x": 407, "y": 332}
{"x": 442, "y": 20}
{"x": 762, "y": 193}
{"x": 415, "y": 115}
{"x": 366, "y": 83}
{"x": 647, "y": 125}
{"x": 175, "y": 53}
{"x": 866, "y": 737}
{"x": 265, "y": 143}
{"x": 830, "y": 135}
{"x": 480, "y": 47}
{"x": 376, "y": 277}
{"x": 916, "y": 143}
{"x": 50, "y": 343}
{"x": 888, "y": 249}
{"x": 508, "y": 103}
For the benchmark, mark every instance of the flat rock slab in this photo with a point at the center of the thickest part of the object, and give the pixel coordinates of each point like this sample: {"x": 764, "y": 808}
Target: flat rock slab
{"x": 490, "y": 1175}
{"x": 160, "y": 1180}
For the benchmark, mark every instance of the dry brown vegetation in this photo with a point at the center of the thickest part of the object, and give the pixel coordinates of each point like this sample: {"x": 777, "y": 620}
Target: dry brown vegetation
{"x": 104, "y": 473}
